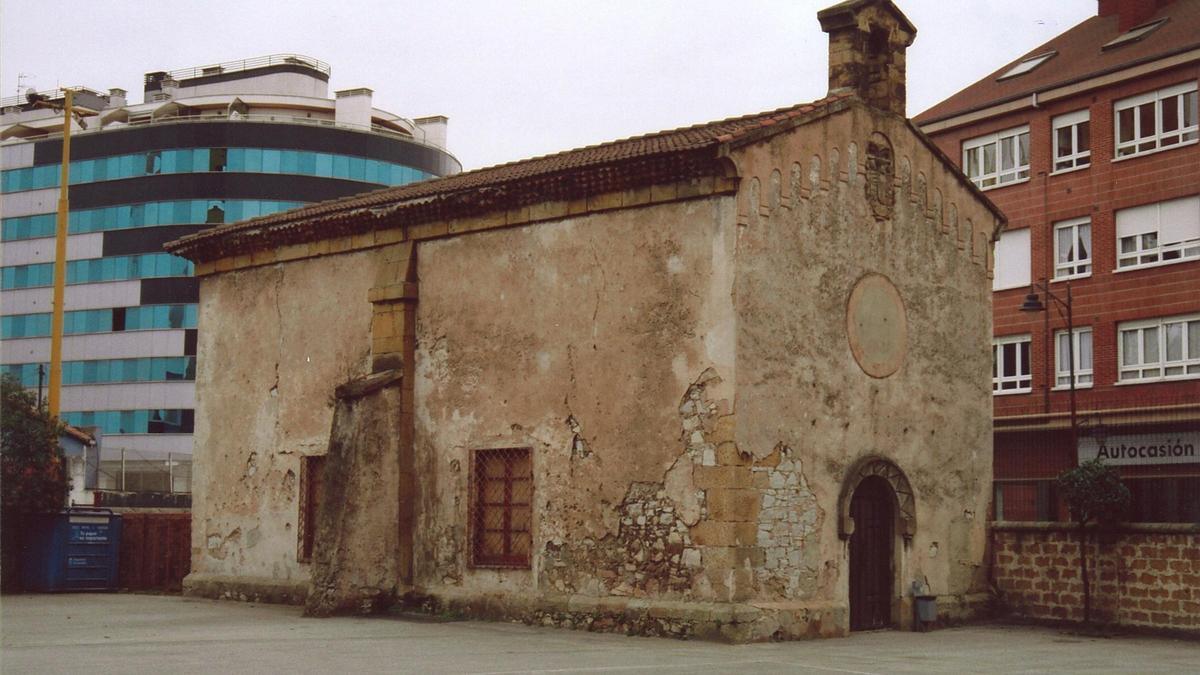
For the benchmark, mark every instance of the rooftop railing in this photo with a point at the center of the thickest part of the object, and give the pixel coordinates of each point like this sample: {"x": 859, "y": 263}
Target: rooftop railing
{"x": 413, "y": 132}
{"x": 49, "y": 94}
{"x": 250, "y": 64}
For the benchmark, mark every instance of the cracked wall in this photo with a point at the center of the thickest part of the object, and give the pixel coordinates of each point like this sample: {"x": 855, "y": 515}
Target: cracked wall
{"x": 276, "y": 340}
{"x": 577, "y": 338}
{"x": 684, "y": 374}
{"x": 819, "y": 215}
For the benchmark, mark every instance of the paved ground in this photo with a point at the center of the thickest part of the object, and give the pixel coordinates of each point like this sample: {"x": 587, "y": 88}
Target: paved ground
{"x": 98, "y": 633}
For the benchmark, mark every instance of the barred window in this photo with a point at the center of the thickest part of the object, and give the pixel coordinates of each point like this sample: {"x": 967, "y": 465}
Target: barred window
{"x": 502, "y": 508}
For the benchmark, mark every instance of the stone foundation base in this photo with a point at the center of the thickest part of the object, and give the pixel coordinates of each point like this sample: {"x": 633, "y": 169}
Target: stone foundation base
{"x": 246, "y": 589}
{"x": 724, "y": 622}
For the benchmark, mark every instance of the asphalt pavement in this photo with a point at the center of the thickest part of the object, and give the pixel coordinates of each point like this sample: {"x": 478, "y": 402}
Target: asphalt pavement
{"x": 121, "y": 633}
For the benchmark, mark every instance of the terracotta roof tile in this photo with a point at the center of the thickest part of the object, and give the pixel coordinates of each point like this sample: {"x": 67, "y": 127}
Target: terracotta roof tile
{"x": 1079, "y": 57}
{"x": 697, "y": 141}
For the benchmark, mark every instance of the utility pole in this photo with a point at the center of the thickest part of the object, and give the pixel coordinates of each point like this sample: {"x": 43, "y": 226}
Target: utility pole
{"x": 60, "y": 263}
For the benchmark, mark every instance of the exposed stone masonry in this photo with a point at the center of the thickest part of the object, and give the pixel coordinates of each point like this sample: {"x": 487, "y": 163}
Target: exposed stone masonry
{"x": 651, "y": 553}
{"x": 788, "y": 522}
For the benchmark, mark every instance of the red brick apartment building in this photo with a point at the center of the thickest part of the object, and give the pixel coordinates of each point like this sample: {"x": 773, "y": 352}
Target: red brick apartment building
{"x": 1089, "y": 145}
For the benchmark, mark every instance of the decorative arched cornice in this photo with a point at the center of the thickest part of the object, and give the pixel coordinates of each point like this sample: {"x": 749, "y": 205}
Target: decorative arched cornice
{"x": 874, "y": 465}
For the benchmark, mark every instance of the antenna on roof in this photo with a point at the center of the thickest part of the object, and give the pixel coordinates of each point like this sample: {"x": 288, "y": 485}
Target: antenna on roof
{"x": 21, "y": 77}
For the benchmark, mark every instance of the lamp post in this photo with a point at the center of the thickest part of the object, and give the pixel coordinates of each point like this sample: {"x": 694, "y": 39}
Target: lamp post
{"x": 1033, "y": 303}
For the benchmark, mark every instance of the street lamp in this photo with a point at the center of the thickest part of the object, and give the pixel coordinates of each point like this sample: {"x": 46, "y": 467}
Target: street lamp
{"x": 1033, "y": 303}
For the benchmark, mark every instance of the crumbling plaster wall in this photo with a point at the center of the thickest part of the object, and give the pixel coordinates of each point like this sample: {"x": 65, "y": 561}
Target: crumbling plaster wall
{"x": 275, "y": 341}
{"x": 605, "y": 344}
{"x": 808, "y": 233}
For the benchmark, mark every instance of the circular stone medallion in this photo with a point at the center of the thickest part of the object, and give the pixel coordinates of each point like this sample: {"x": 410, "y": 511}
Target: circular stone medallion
{"x": 876, "y": 325}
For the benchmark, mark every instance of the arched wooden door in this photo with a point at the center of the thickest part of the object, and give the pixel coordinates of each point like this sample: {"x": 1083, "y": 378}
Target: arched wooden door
{"x": 872, "y": 550}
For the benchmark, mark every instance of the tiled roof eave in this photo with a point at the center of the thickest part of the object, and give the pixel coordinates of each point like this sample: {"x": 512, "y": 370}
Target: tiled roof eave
{"x": 515, "y": 193}
{"x": 1030, "y": 91}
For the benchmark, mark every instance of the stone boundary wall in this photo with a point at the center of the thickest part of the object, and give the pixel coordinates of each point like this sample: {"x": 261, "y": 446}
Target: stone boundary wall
{"x": 729, "y": 622}
{"x": 1144, "y": 575}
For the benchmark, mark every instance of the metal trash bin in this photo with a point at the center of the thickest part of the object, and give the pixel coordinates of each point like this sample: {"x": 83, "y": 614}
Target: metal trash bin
{"x": 74, "y": 550}
{"x": 926, "y": 608}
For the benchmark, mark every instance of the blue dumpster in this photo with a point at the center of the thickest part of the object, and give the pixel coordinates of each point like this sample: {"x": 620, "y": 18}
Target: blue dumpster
{"x": 74, "y": 550}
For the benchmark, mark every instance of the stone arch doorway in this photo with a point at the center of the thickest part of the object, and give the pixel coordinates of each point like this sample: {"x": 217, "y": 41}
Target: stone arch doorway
{"x": 875, "y": 509}
{"x": 872, "y": 552}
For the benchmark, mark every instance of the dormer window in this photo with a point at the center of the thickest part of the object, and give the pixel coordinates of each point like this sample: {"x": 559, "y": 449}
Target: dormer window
{"x": 1133, "y": 34}
{"x": 1027, "y": 65}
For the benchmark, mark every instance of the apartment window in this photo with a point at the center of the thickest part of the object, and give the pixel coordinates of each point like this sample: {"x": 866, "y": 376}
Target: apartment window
{"x": 1011, "y": 268}
{"x": 502, "y": 508}
{"x": 1073, "y": 248}
{"x": 1160, "y": 233}
{"x": 1156, "y": 120}
{"x": 1010, "y": 365}
{"x": 997, "y": 159}
{"x": 1072, "y": 141}
{"x": 1083, "y": 358}
{"x": 1160, "y": 349}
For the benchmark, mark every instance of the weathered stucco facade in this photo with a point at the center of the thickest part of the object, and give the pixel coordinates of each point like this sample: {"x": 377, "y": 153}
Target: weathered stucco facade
{"x": 703, "y": 367}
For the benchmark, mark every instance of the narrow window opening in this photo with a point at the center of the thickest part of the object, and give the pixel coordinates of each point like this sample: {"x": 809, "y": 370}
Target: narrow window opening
{"x": 216, "y": 159}
{"x": 310, "y": 500}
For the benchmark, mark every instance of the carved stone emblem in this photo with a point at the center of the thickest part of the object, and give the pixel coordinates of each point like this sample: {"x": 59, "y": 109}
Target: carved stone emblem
{"x": 881, "y": 176}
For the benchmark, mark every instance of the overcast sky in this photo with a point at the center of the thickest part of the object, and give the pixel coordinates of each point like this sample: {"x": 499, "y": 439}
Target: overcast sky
{"x": 519, "y": 79}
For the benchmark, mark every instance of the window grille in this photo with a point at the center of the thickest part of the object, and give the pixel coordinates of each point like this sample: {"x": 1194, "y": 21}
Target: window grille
{"x": 501, "y": 508}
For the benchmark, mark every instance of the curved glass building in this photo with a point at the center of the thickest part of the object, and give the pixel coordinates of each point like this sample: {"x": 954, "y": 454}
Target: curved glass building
{"x": 207, "y": 145}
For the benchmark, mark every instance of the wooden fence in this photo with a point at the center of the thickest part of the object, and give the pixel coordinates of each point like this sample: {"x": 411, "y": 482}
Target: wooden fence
{"x": 155, "y": 550}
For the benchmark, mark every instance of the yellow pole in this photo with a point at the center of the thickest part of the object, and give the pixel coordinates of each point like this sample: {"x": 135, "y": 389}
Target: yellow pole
{"x": 60, "y": 263}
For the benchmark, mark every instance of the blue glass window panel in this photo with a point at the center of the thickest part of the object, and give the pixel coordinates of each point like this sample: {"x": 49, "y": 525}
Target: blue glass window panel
{"x": 324, "y": 165}
{"x": 289, "y": 161}
{"x": 84, "y": 173}
{"x": 138, "y": 215}
{"x": 235, "y": 159}
{"x": 271, "y": 161}
{"x": 254, "y": 160}
{"x": 183, "y": 160}
{"x": 154, "y": 212}
{"x": 200, "y": 159}
{"x": 181, "y": 212}
{"x": 341, "y": 166}
{"x": 358, "y": 168}
{"x": 99, "y": 169}
{"x": 307, "y": 163}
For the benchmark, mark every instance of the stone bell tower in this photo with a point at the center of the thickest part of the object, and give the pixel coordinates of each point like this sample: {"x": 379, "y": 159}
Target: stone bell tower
{"x": 867, "y": 42}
